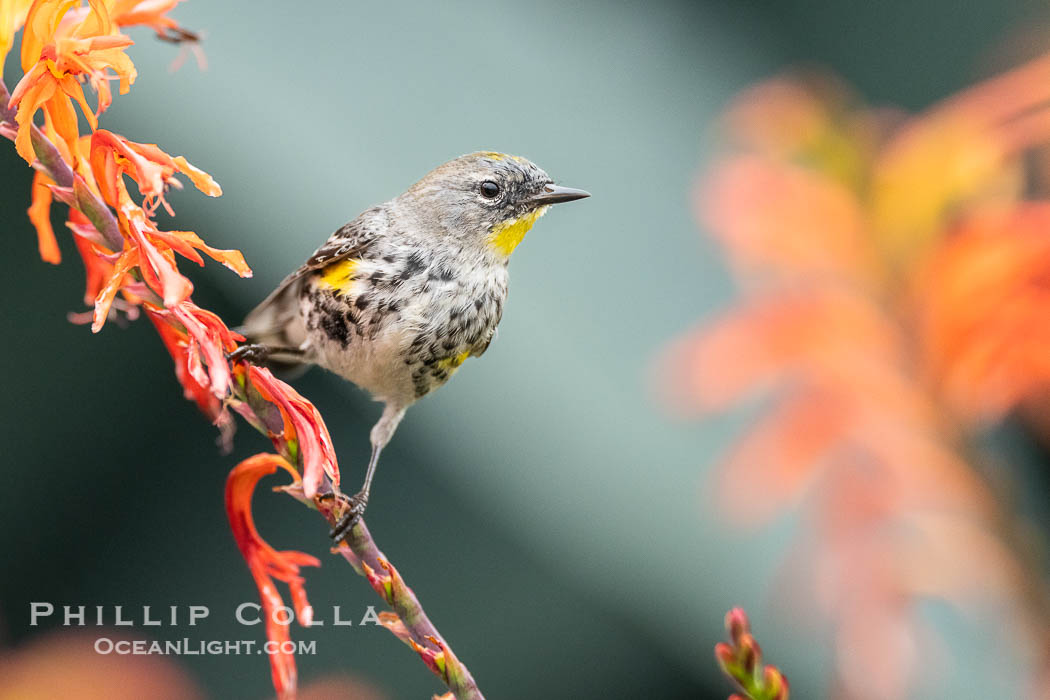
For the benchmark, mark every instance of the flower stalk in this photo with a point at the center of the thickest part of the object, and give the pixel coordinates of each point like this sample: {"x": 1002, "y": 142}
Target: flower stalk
{"x": 132, "y": 265}
{"x": 408, "y": 622}
{"x": 254, "y": 399}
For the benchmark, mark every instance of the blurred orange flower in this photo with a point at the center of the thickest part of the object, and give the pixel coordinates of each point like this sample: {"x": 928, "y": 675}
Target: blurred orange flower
{"x": 895, "y": 292}
{"x": 12, "y": 17}
{"x": 66, "y": 665}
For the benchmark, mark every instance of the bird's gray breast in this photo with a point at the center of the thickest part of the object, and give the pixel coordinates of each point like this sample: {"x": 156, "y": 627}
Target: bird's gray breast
{"x": 402, "y": 318}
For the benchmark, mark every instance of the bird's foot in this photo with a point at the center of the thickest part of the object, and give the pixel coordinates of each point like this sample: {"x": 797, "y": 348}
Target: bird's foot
{"x": 353, "y": 507}
{"x": 252, "y": 353}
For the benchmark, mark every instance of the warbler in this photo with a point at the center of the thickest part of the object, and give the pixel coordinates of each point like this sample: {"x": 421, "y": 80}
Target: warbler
{"x": 397, "y": 299}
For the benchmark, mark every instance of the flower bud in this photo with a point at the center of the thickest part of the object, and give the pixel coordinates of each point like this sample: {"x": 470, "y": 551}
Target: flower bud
{"x": 775, "y": 683}
{"x": 726, "y": 656}
{"x": 750, "y": 654}
{"x": 737, "y": 624}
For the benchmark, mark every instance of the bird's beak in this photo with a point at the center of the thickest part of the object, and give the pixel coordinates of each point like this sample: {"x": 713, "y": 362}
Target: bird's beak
{"x": 555, "y": 194}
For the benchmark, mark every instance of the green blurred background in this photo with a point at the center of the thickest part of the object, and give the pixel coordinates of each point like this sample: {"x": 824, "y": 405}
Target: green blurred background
{"x": 546, "y": 509}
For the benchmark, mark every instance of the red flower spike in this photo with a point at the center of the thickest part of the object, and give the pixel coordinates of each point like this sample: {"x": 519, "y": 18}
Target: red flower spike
{"x": 40, "y": 216}
{"x": 741, "y": 661}
{"x": 265, "y": 563}
{"x": 314, "y": 442}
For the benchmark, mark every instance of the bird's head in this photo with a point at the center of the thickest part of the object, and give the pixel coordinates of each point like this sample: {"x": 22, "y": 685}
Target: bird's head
{"x": 487, "y": 198}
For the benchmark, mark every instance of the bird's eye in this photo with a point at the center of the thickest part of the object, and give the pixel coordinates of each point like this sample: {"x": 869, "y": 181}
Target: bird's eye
{"x": 489, "y": 189}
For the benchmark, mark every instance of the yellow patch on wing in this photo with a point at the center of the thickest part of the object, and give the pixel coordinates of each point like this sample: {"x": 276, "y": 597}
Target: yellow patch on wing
{"x": 339, "y": 276}
{"x": 451, "y": 364}
{"x": 505, "y": 237}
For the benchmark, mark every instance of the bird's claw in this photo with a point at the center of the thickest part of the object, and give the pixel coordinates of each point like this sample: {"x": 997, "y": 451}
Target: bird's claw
{"x": 251, "y": 353}
{"x": 352, "y": 510}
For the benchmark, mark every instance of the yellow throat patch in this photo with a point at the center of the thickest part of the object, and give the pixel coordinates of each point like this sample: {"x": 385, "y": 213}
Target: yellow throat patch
{"x": 505, "y": 237}
{"x": 339, "y": 276}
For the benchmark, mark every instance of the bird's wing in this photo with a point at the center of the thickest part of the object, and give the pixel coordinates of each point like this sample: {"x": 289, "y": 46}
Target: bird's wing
{"x": 275, "y": 320}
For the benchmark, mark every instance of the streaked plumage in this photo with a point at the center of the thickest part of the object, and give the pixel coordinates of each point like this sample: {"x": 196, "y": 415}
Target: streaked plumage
{"x": 397, "y": 299}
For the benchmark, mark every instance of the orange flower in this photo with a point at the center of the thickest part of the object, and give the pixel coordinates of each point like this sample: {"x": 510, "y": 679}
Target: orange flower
{"x": 177, "y": 342}
{"x": 61, "y": 42}
{"x": 779, "y": 220}
{"x": 157, "y": 266}
{"x": 12, "y": 17}
{"x": 302, "y": 423}
{"x": 209, "y": 340}
{"x": 96, "y": 269}
{"x": 265, "y": 563}
{"x": 876, "y": 296}
{"x": 40, "y": 216}
{"x": 148, "y": 13}
{"x": 184, "y": 243}
{"x": 983, "y": 300}
{"x": 197, "y": 340}
{"x": 151, "y": 168}
{"x": 114, "y": 282}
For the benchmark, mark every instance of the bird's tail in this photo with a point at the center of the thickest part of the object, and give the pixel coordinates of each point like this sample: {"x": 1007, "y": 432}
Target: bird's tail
{"x": 277, "y": 323}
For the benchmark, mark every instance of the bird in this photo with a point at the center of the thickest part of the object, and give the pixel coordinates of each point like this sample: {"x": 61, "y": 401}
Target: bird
{"x": 399, "y": 298}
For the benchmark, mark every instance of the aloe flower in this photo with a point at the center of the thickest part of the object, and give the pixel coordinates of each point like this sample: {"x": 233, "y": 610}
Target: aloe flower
{"x": 131, "y": 266}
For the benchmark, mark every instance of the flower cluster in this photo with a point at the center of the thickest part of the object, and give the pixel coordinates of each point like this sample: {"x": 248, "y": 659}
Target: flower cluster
{"x": 741, "y": 661}
{"x": 894, "y": 299}
{"x": 132, "y": 268}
